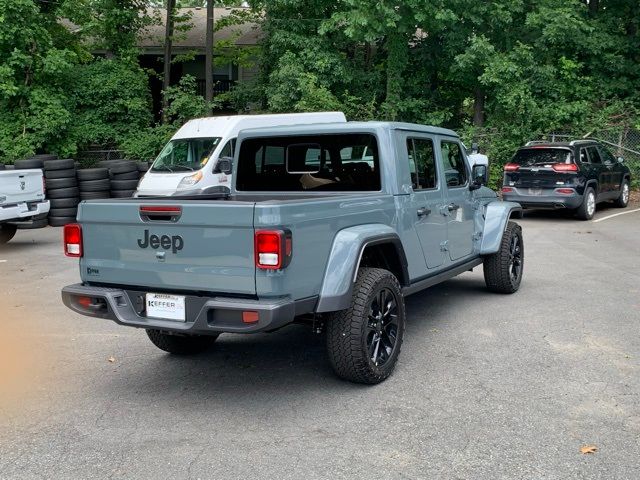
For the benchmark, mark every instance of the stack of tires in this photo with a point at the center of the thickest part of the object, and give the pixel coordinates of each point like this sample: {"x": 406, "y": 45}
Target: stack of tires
{"x": 62, "y": 190}
{"x": 94, "y": 183}
{"x": 143, "y": 167}
{"x": 124, "y": 178}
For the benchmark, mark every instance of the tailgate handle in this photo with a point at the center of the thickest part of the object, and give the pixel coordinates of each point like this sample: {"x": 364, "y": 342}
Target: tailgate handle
{"x": 160, "y": 213}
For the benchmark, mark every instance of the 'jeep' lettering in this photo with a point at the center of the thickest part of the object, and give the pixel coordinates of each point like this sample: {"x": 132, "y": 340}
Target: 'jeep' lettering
{"x": 175, "y": 242}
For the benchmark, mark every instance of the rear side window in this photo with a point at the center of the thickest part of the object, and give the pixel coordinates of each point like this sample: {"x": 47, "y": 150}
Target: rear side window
{"x": 347, "y": 162}
{"x": 529, "y": 157}
{"x": 594, "y": 155}
{"x": 422, "y": 163}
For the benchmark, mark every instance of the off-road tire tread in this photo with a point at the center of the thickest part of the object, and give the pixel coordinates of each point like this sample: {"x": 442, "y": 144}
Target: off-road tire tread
{"x": 344, "y": 330}
{"x": 496, "y": 266}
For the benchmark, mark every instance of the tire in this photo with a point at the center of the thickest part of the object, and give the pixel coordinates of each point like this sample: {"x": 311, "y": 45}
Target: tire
{"x": 126, "y": 176}
{"x": 64, "y": 202}
{"x": 124, "y": 167}
{"x": 61, "y": 221}
{"x": 29, "y": 163}
{"x": 94, "y": 195}
{"x": 2, "y": 167}
{"x": 587, "y": 210}
{"x": 623, "y": 200}
{"x": 109, "y": 163}
{"x": 143, "y": 167}
{"x": 64, "y": 212}
{"x": 122, "y": 193}
{"x": 55, "y": 183}
{"x": 7, "y": 232}
{"x": 9, "y": 167}
{"x": 503, "y": 270}
{"x": 41, "y": 223}
{"x": 181, "y": 344}
{"x": 66, "y": 173}
{"x": 353, "y": 339}
{"x": 124, "y": 184}
{"x": 60, "y": 164}
{"x": 45, "y": 156}
{"x": 93, "y": 174}
{"x": 517, "y": 215}
{"x": 95, "y": 185}
{"x": 63, "y": 192}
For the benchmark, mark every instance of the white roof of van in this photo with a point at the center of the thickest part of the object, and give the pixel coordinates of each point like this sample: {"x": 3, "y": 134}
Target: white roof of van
{"x": 225, "y": 125}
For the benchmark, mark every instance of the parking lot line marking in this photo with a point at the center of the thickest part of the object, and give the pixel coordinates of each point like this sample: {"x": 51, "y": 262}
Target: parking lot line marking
{"x": 616, "y": 215}
{"x": 3, "y": 261}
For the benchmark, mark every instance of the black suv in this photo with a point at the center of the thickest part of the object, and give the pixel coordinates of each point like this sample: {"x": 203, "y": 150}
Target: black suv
{"x": 575, "y": 175}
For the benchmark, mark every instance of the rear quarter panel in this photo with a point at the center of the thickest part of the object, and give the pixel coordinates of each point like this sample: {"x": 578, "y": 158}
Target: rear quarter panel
{"x": 313, "y": 225}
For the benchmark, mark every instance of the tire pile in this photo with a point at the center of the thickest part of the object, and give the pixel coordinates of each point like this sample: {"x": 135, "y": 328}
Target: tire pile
{"x": 124, "y": 177}
{"x": 62, "y": 190}
{"x": 66, "y": 185}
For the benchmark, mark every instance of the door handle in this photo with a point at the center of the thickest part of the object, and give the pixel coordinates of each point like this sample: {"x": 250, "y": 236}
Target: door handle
{"x": 424, "y": 211}
{"x": 452, "y": 207}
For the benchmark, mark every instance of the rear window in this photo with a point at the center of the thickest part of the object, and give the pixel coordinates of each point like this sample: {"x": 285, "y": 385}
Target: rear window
{"x": 542, "y": 156}
{"x": 346, "y": 162}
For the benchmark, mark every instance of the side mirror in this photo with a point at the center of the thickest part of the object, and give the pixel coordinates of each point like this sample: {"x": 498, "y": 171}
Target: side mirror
{"x": 479, "y": 176}
{"x": 224, "y": 165}
{"x": 620, "y": 160}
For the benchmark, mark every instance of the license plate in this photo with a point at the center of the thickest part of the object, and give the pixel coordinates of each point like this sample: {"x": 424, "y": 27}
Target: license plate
{"x": 162, "y": 305}
{"x": 535, "y": 191}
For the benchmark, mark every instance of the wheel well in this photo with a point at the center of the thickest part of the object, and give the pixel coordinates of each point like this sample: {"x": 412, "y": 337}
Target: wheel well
{"x": 386, "y": 255}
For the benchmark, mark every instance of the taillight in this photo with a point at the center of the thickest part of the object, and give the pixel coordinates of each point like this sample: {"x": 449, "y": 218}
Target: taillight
{"x": 565, "y": 191}
{"x": 565, "y": 167}
{"x": 507, "y": 189}
{"x": 272, "y": 249}
{"x": 72, "y": 240}
{"x": 511, "y": 167}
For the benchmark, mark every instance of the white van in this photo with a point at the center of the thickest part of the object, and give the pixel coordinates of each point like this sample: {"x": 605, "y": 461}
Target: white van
{"x": 188, "y": 163}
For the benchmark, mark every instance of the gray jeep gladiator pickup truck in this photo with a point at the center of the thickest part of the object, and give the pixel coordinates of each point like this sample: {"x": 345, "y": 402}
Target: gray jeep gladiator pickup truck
{"x": 330, "y": 224}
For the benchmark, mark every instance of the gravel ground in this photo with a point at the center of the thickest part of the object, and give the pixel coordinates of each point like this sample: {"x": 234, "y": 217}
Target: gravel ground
{"x": 487, "y": 386}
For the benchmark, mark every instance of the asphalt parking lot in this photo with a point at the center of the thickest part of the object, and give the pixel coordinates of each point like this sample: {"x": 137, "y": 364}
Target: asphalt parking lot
{"x": 487, "y": 386}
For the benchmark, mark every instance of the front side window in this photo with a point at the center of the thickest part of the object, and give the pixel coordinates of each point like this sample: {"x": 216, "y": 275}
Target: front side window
{"x": 455, "y": 170}
{"x": 185, "y": 154}
{"x": 422, "y": 163}
{"x": 335, "y": 162}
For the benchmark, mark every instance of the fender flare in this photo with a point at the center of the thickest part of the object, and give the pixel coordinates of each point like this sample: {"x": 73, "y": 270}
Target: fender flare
{"x": 344, "y": 260}
{"x": 496, "y": 216}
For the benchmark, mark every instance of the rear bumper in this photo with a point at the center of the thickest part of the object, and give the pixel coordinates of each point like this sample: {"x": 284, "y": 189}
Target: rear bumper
{"x": 22, "y": 211}
{"x": 547, "y": 199}
{"x": 204, "y": 315}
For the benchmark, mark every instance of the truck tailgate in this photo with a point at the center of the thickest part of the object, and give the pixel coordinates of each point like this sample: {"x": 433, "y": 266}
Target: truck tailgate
{"x": 206, "y": 246}
{"x": 21, "y": 186}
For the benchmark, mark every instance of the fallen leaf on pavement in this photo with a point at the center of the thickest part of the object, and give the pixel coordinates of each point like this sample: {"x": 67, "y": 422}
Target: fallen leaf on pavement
{"x": 588, "y": 449}
{"x": 112, "y": 359}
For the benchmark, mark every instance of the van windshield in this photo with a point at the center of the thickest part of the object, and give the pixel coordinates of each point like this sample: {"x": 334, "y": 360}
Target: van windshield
{"x": 185, "y": 154}
{"x": 529, "y": 157}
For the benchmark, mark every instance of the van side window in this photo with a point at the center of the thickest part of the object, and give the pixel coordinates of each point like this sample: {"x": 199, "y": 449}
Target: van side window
{"x": 422, "y": 163}
{"x": 229, "y": 149}
{"x": 455, "y": 170}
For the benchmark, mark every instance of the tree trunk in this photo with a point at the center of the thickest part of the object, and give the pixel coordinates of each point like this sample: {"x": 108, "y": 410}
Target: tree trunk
{"x": 478, "y": 108}
{"x": 208, "y": 62}
{"x": 166, "y": 78}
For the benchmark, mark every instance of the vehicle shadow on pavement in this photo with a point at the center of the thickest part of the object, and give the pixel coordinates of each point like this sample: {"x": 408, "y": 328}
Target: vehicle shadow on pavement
{"x": 17, "y": 245}
{"x": 287, "y": 362}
